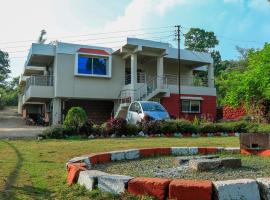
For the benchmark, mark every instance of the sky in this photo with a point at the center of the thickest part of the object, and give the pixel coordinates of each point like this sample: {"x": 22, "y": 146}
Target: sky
{"x": 245, "y": 23}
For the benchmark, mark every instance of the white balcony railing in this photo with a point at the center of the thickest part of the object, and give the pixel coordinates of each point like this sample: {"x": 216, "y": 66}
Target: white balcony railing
{"x": 186, "y": 81}
{"x": 39, "y": 81}
{"x": 141, "y": 78}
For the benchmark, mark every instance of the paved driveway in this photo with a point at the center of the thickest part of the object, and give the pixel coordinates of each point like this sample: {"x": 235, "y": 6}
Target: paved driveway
{"x": 13, "y": 126}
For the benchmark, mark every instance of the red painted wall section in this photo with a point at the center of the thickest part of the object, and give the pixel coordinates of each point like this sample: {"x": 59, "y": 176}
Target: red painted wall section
{"x": 208, "y": 106}
{"x": 230, "y": 113}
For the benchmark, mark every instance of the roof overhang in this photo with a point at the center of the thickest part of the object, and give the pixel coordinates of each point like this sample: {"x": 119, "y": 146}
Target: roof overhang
{"x": 40, "y": 55}
{"x": 33, "y": 70}
{"x": 143, "y": 47}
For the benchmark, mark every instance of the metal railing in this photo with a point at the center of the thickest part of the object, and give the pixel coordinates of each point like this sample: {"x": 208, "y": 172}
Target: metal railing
{"x": 157, "y": 82}
{"x": 141, "y": 78}
{"x": 38, "y": 80}
{"x": 188, "y": 81}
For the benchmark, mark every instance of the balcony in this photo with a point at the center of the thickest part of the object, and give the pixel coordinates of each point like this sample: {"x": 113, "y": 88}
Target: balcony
{"x": 186, "y": 81}
{"x": 38, "y": 89}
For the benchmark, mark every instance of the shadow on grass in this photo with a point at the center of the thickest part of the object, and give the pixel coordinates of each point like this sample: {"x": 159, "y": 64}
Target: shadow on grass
{"x": 9, "y": 187}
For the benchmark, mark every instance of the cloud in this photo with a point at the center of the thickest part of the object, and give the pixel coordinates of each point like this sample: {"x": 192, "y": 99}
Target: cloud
{"x": 234, "y": 1}
{"x": 164, "y": 5}
{"x": 261, "y": 5}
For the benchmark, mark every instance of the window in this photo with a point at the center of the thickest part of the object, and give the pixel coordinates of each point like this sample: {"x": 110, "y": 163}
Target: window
{"x": 191, "y": 106}
{"x": 92, "y": 66}
{"x": 151, "y": 106}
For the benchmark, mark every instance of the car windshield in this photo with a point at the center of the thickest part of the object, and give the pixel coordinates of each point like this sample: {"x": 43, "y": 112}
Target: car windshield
{"x": 147, "y": 106}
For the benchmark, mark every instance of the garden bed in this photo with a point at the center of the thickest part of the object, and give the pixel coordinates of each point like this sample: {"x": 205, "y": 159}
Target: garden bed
{"x": 165, "y": 167}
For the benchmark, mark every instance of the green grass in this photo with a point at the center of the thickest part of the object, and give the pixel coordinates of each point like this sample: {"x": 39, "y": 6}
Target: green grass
{"x": 31, "y": 169}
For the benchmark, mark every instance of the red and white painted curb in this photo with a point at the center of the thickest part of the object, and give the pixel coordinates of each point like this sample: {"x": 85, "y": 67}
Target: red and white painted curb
{"x": 79, "y": 171}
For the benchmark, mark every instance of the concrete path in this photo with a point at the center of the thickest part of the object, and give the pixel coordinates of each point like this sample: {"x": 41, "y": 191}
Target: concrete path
{"x": 13, "y": 126}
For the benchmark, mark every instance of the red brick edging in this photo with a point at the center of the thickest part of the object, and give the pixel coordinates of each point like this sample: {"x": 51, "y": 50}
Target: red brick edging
{"x": 157, "y": 187}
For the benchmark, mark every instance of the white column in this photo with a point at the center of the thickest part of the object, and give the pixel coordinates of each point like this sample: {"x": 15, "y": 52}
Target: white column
{"x": 211, "y": 75}
{"x": 133, "y": 74}
{"x": 56, "y": 111}
{"x": 160, "y": 72}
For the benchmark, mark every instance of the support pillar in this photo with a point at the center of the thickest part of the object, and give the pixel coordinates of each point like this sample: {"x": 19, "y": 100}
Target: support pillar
{"x": 133, "y": 75}
{"x": 160, "y": 72}
{"x": 56, "y": 111}
{"x": 210, "y": 75}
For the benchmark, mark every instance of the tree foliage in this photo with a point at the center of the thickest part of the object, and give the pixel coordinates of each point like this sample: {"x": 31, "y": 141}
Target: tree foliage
{"x": 4, "y": 68}
{"x": 200, "y": 40}
{"x": 249, "y": 83}
{"x": 203, "y": 41}
{"x": 75, "y": 118}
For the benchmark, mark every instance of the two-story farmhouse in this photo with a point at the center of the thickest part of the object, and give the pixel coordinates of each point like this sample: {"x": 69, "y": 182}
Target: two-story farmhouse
{"x": 59, "y": 76}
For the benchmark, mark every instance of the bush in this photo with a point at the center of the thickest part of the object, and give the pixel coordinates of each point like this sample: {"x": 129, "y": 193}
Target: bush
{"x": 258, "y": 128}
{"x": 55, "y": 132}
{"x": 236, "y": 126}
{"x": 132, "y": 129}
{"x": 75, "y": 118}
{"x": 86, "y": 128}
{"x": 168, "y": 126}
{"x": 209, "y": 128}
{"x": 185, "y": 126}
{"x": 151, "y": 127}
{"x": 117, "y": 126}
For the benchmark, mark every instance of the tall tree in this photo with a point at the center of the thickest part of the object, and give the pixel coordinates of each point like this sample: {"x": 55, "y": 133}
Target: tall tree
{"x": 197, "y": 39}
{"x": 250, "y": 85}
{"x": 4, "y": 68}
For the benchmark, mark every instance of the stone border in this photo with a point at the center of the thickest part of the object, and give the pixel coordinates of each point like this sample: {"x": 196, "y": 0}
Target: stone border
{"x": 79, "y": 171}
{"x": 177, "y": 135}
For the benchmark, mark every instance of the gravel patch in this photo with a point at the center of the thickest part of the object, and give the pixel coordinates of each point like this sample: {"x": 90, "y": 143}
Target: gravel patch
{"x": 165, "y": 167}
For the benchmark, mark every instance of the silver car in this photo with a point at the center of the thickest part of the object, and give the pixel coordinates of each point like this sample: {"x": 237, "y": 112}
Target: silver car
{"x": 140, "y": 109}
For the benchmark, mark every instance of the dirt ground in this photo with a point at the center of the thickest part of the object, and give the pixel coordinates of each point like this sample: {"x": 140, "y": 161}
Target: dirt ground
{"x": 13, "y": 126}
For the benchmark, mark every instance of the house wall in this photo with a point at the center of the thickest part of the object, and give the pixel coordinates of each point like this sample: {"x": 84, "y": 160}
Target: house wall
{"x": 70, "y": 86}
{"x": 208, "y": 106}
{"x": 99, "y": 111}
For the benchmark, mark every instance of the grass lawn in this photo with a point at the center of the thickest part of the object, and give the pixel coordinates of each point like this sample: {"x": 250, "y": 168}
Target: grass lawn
{"x": 31, "y": 169}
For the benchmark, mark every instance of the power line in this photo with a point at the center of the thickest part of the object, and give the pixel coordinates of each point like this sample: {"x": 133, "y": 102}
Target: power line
{"x": 118, "y": 41}
{"x": 89, "y": 39}
{"x": 94, "y": 33}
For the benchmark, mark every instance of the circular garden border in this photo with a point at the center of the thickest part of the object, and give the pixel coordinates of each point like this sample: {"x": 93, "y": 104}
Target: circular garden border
{"x": 79, "y": 171}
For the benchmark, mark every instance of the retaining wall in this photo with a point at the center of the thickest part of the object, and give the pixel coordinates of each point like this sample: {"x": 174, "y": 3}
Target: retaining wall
{"x": 163, "y": 188}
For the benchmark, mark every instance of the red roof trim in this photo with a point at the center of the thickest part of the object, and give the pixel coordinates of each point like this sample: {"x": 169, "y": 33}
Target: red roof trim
{"x": 94, "y": 51}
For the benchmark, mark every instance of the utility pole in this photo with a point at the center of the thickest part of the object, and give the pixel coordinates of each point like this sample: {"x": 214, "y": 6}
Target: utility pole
{"x": 177, "y": 34}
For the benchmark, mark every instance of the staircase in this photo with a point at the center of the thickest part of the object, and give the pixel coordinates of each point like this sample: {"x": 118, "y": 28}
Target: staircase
{"x": 155, "y": 87}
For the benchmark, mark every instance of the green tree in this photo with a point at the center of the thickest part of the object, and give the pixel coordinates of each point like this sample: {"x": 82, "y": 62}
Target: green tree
{"x": 197, "y": 39}
{"x": 4, "y": 68}
{"x": 200, "y": 40}
{"x": 75, "y": 118}
{"x": 250, "y": 85}
{"x": 227, "y": 67}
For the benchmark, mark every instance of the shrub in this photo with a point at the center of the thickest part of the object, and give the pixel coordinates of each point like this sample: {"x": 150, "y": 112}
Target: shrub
{"x": 132, "y": 129}
{"x": 97, "y": 130}
{"x": 185, "y": 126}
{"x": 56, "y": 132}
{"x": 86, "y": 128}
{"x": 168, "y": 126}
{"x": 235, "y": 126}
{"x": 151, "y": 127}
{"x": 117, "y": 126}
{"x": 259, "y": 128}
{"x": 209, "y": 128}
{"x": 75, "y": 118}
